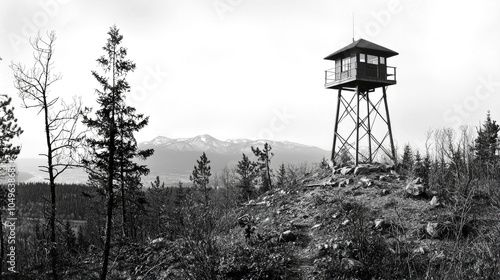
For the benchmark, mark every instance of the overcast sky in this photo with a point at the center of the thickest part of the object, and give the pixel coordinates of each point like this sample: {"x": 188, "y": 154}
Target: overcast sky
{"x": 255, "y": 69}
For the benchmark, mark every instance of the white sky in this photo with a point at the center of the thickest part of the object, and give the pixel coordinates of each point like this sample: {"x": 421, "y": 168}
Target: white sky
{"x": 255, "y": 69}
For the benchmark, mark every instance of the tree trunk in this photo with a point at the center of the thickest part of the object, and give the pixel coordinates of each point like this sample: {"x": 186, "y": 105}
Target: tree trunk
{"x": 111, "y": 165}
{"x": 52, "y": 215}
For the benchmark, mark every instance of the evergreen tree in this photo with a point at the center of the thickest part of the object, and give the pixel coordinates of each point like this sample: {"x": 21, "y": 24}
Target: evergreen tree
{"x": 113, "y": 149}
{"x": 324, "y": 164}
{"x": 201, "y": 175}
{"x": 281, "y": 176}
{"x": 264, "y": 161}
{"x": 407, "y": 161}
{"x": 8, "y": 131}
{"x": 8, "y": 152}
{"x": 247, "y": 170}
{"x": 486, "y": 144}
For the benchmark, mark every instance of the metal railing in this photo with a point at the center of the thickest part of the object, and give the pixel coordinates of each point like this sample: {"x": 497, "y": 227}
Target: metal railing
{"x": 336, "y": 76}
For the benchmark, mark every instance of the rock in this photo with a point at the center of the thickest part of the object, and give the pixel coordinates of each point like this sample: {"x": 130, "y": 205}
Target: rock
{"x": 415, "y": 189}
{"x": 316, "y": 226}
{"x": 419, "y": 251}
{"x": 384, "y": 192}
{"x": 435, "y": 202}
{"x": 417, "y": 180}
{"x": 379, "y": 223}
{"x": 349, "y": 264}
{"x": 344, "y": 223}
{"x": 366, "y": 182}
{"x": 157, "y": 240}
{"x": 287, "y": 236}
{"x": 346, "y": 170}
{"x": 344, "y": 184}
{"x": 361, "y": 169}
{"x": 433, "y": 230}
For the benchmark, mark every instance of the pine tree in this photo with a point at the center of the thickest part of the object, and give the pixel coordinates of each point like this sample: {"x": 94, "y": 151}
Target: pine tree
{"x": 281, "y": 176}
{"x": 247, "y": 170}
{"x": 201, "y": 175}
{"x": 8, "y": 131}
{"x": 113, "y": 149}
{"x": 407, "y": 159}
{"x": 486, "y": 144}
{"x": 264, "y": 161}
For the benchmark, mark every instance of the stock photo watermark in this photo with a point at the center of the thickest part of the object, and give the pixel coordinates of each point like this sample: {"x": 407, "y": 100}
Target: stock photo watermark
{"x": 223, "y": 7}
{"x": 10, "y": 221}
{"x": 150, "y": 82}
{"x": 277, "y": 123}
{"x": 462, "y": 110}
{"x": 382, "y": 18}
{"x": 37, "y": 21}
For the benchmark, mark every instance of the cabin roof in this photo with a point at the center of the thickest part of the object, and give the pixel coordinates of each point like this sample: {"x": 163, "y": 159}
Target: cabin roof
{"x": 362, "y": 45}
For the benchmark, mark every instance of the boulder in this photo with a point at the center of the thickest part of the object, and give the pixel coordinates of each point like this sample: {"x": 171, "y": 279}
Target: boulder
{"x": 366, "y": 182}
{"x": 415, "y": 189}
{"x": 435, "y": 202}
{"x": 379, "y": 223}
{"x": 433, "y": 230}
{"x": 287, "y": 236}
{"x": 346, "y": 170}
{"x": 384, "y": 192}
{"x": 361, "y": 169}
{"x": 417, "y": 180}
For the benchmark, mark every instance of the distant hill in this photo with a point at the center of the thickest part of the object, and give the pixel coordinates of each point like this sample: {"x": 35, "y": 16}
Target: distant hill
{"x": 174, "y": 159}
{"x": 178, "y": 156}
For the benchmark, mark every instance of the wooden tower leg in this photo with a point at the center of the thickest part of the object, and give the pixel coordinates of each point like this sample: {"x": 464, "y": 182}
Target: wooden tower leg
{"x": 336, "y": 125}
{"x": 357, "y": 126}
{"x": 393, "y": 151}
{"x": 369, "y": 132}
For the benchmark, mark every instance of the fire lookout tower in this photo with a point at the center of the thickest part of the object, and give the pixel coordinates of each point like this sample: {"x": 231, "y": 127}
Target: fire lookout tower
{"x": 360, "y": 69}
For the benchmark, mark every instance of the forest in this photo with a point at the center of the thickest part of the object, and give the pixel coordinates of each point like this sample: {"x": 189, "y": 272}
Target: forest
{"x": 305, "y": 221}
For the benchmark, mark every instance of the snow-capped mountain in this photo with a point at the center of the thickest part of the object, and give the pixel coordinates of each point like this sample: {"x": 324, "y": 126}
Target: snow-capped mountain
{"x": 175, "y": 158}
{"x": 207, "y": 143}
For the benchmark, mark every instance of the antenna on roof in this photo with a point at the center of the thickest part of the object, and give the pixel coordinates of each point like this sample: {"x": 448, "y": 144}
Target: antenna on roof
{"x": 353, "y": 27}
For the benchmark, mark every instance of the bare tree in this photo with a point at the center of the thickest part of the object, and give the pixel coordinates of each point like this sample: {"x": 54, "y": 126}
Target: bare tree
{"x": 60, "y": 121}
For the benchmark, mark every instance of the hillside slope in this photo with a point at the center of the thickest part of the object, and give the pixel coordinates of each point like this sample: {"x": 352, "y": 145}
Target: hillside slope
{"x": 373, "y": 225}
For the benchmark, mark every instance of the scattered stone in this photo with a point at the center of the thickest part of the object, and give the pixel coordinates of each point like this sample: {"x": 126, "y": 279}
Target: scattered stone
{"x": 415, "y": 189}
{"x": 344, "y": 223}
{"x": 316, "y": 226}
{"x": 349, "y": 264}
{"x": 361, "y": 169}
{"x": 346, "y": 170}
{"x": 287, "y": 236}
{"x": 366, "y": 182}
{"x": 417, "y": 180}
{"x": 157, "y": 240}
{"x": 433, "y": 230}
{"x": 384, "y": 192}
{"x": 435, "y": 202}
{"x": 379, "y": 223}
{"x": 419, "y": 251}
{"x": 345, "y": 183}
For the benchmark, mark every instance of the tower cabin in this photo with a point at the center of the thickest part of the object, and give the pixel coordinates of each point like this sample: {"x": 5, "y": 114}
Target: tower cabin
{"x": 361, "y": 64}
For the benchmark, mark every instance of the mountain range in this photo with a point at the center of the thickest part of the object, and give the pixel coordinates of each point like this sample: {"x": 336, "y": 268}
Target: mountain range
{"x": 174, "y": 159}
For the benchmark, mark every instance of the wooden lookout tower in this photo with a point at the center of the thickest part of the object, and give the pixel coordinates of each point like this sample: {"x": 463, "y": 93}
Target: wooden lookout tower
{"x": 362, "y": 122}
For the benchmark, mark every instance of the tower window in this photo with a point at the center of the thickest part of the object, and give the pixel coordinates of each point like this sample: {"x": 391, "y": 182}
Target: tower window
{"x": 346, "y": 64}
{"x": 362, "y": 57}
{"x": 372, "y": 59}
